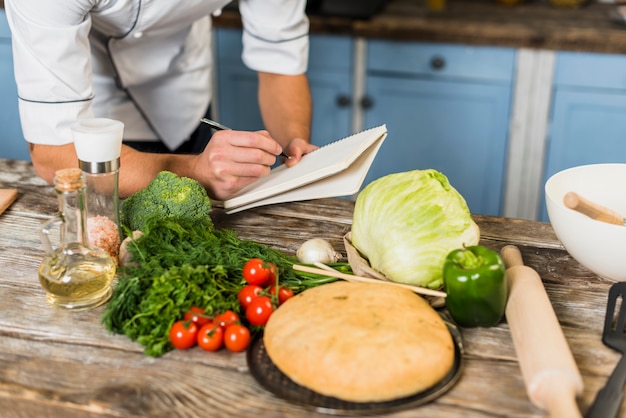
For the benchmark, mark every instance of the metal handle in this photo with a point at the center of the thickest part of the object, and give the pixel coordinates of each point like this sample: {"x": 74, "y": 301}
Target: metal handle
{"x": 437, "y": 62}
{"x": 367, "y": 103}
{"x": 343, "y": 100}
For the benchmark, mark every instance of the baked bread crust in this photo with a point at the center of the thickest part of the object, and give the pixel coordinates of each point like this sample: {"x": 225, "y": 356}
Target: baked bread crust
{"x": 360, "y": 342}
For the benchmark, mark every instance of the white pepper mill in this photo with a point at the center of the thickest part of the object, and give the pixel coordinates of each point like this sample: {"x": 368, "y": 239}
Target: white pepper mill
{"x": 98, "y": 144}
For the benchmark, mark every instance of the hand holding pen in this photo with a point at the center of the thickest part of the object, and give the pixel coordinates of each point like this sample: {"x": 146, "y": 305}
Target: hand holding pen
{"x": 220, "y": 127}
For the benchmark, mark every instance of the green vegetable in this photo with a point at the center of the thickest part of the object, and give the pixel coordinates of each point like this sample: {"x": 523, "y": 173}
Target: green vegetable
{"x": 406, "y": 223}
{"x": 168, "y": 195}
{"x": 180, "y": 262}
{"x": 476, "y": 287}
{"x": 167, "y": 297}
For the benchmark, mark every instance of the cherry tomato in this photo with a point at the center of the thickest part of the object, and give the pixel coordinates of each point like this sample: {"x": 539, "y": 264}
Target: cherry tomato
{"x": 236, "y": 338}
{"x": 197, "y": 315}
{"x": 283, "y": 293}
{"x": 259, "y": 310}
{"x": 247, "y": 293}
{"x": 273, "y": 276}
{"x": 256, "y": 271}
{"x": 226, "y": 318}
{"x": 211, "y": 337}
{"x": 183, "y": 334}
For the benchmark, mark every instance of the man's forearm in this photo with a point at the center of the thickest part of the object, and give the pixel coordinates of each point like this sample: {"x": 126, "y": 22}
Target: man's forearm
{"x": 137, "y": 169}
{"x": 285, "y": 103}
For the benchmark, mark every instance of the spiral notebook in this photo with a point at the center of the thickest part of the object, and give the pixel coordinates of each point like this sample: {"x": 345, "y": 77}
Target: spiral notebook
{"x": 336, "y": 169}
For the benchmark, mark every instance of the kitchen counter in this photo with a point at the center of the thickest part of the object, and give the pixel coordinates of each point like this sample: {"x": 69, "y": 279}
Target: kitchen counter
{"x": 56, "y": 363}
{"x": 534, "y": 24}
{"x": 481, "y": 22}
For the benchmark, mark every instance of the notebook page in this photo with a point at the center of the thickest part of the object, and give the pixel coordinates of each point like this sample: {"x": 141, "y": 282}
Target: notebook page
{"x": 344, "y": 183}
{"x": 321, "y": 163}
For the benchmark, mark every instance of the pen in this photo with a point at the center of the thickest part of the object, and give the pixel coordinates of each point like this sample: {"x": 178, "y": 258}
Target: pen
{"x": 221, "y": 127}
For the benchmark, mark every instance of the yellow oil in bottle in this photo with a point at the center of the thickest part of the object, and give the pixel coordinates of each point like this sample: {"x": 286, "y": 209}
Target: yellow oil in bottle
{"x": 77, "y": 279}
{"x": 74, "y": 274}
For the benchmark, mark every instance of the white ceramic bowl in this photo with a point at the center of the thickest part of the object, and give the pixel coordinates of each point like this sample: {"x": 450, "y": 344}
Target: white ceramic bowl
{"x": 599, "y": 246}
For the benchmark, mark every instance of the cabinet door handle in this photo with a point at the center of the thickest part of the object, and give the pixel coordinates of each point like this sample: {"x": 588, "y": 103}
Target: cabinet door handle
{"x": 343, "y": 100}
{"x": 367, "y": 102}
{"x": 437, "y": 62}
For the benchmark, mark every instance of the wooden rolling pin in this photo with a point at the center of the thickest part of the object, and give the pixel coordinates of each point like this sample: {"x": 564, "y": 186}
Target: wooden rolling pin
{"x": 7, "y": 196}
{"x": 552, "y": 378}
{"x": 595, "y": 211}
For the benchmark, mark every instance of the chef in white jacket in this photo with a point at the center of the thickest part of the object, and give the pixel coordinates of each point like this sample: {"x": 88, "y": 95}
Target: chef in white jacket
{"x": 148, "y": 64}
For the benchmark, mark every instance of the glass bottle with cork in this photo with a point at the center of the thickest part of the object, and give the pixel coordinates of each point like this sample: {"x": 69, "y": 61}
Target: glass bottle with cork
{"x": 74, "y": 274}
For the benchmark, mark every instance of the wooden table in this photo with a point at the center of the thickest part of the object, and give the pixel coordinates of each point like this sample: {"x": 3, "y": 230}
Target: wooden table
{"x": 57, "y": 363}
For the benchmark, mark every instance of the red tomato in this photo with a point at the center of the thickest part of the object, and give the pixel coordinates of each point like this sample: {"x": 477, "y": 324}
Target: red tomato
{"x": 256, "y": 271}
{"x": 273, "y": 276}
{"x": 247, "y": 293}
{"x": 211, "y": 337}
{"x": 197, "y": 315}
{"x": 283, "y": 293}
{"x": 259, "y": 310}
{"x": 236, "y": 338}
{"x": 226, "y": 318}
{"x": 183, "y": 334}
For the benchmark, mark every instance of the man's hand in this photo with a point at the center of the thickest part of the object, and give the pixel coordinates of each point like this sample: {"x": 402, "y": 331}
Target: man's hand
{"x": 235, "y": 159}
{"x": 296, "y": 148}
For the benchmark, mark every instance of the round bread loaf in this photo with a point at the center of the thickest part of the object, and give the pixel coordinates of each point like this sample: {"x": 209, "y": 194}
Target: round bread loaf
{"x": 360, "y": 342}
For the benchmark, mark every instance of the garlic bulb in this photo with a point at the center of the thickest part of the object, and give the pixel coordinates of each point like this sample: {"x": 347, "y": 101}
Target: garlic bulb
{"x": 317, "y": 250}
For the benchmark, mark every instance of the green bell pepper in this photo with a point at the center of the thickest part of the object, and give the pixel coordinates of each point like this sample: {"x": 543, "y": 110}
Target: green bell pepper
{"x": 476, "y": 288}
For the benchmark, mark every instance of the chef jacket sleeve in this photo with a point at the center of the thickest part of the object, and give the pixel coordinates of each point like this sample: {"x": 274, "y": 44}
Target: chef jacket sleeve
{"x": 275, "y": 37}
{"x": 52, "y": 66}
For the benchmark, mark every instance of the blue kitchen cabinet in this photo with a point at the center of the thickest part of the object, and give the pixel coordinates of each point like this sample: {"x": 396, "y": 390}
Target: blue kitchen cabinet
{"x": 329, "y": 73}
{"x": 236, "y": 100}
{"x": 446, "y": 107}
{"x": 588, "y": 122}
{"x": 12, "y": 144}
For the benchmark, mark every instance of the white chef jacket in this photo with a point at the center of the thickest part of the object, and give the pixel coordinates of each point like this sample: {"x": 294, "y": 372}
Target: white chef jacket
{"x": 146, "y": 63}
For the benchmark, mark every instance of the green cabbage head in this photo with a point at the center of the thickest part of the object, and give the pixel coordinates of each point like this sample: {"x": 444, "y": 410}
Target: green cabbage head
{"x": 406, "y": 223}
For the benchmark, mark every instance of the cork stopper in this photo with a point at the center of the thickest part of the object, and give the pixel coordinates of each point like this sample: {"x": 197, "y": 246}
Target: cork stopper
{"x": 69, "y": 179}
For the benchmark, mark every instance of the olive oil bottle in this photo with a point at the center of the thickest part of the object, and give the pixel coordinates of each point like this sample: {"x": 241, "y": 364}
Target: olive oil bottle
{"x": 74, "y": 274}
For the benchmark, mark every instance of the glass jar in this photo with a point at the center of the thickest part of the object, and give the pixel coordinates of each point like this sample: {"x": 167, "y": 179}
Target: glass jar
{"x": 74, "y": 274}
{"x": 98, "y": 143}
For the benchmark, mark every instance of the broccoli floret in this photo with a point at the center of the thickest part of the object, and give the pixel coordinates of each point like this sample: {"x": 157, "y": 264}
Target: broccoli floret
{"x": 168, "y": 195}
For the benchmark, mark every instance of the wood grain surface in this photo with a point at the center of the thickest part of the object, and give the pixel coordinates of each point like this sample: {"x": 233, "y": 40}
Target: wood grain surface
{"x": 62, "y": 364}
{"x": 530, "y": 24}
